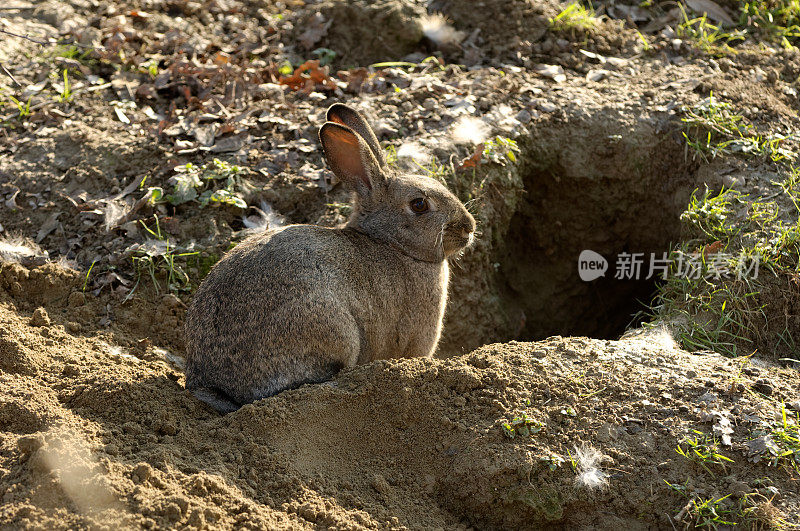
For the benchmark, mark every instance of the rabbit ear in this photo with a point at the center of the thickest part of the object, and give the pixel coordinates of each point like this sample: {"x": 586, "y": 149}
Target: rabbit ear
{"x": 344, "y": 115}
{"x": 349, "y": 157}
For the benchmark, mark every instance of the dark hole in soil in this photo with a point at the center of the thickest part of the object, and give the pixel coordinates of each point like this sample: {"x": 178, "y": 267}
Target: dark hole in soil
{"x": 627, "y": 199}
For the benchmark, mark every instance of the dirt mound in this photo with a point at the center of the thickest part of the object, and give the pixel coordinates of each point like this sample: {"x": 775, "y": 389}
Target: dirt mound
{"x": 361, "y": 32}
{"x": 521, "y": 435}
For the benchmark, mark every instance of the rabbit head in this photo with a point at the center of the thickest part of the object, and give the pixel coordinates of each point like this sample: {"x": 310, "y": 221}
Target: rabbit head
{"x": 413, "y": 214}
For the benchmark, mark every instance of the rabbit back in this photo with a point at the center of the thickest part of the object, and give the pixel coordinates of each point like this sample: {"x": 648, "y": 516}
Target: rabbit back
{"x": 296, "y": 305}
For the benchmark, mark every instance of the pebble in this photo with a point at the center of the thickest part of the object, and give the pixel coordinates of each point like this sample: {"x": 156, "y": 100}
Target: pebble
{"x": 523, "y": 116}
{"x": 27, "y": 444}
{"x": 76, "y": 298}
{"x": 429, "y": 104}
{"x": 763, "y": 386}
{"x": 40, "y": 317}
{"x": 691, "y": 374}
{"x": 708, "y": 397}
{"x": 546, "y": 106}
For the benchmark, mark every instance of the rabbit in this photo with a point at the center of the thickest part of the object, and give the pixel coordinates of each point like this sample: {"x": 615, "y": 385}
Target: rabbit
{"x": 296, "y": 304}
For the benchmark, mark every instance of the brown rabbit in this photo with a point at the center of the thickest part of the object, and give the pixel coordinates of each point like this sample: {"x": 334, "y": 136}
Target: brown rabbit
{"x": 297, "y": 304}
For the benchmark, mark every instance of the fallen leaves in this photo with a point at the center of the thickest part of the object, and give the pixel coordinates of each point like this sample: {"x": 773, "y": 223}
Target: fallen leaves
{"x": 473, "y": 160}
{"x": 554, "y": 72}
{"x": 712, "y": 10}
{"x": 308, "y": 77}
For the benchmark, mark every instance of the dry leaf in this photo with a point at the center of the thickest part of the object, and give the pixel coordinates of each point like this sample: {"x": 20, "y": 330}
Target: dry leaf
{"x": 48, "y": 226}
{"x": 473, "y": 160}
{"x": 308, "y": 77}
{"x": 712, "y": 248}
{"x": 597, "y": 75}
{"x": 712, "y": 10}
{"x": 121, "y": 116}
{"x": 554, "y": 72}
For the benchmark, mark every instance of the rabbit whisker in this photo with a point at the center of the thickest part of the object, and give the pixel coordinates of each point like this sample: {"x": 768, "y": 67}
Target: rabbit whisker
{"x": 440, "y": 239}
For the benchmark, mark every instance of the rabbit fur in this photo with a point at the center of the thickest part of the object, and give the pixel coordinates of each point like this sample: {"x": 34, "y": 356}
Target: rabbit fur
{"x": 297, "y": 304}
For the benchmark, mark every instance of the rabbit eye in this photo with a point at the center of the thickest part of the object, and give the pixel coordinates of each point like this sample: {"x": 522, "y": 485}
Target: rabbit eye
{"x": 419, "y": 205}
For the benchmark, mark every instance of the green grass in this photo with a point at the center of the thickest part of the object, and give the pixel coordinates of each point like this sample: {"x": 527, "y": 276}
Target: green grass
{"x": 753, "y": 511}
{"x": 758, "y": 21}
{"x": 214, "y": 183}
{"x": 711, "y": 513}
{"x": 785, "y": 434}
{"x": 712, "y": 128}
{"x": 575, "y": 16}
{"x": 773, "y": 20}
{"x": 707, "y": 36}
{"x": 703, "y": 449}
{"x": 711, "y": 213}
{"x": 161, "y": 262}
{"x": 500, "y": 149}
{"x": 751, "y": 238}
{"x": 23, "y": 109}
{"x": 521, "y": 425}
{"x": 66, "y": 92}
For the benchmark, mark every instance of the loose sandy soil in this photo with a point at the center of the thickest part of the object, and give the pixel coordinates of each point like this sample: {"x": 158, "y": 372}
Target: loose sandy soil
{"x": 95, "y": 427}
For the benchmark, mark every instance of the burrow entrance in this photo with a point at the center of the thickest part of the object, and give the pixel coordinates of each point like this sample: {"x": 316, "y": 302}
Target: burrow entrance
{"x": 588, "y": 188}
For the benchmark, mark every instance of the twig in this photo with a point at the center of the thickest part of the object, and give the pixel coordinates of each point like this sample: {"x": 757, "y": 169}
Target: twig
{"x": 9, "y": 74}
{"x": 43, "y": 43}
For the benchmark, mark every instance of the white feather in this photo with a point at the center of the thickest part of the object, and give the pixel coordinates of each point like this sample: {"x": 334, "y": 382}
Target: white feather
{"x": 437, "y": 29}
{"x": 264, "y": 218}
{"x": 589, "y": 474}
{"x": 470, "y": 130}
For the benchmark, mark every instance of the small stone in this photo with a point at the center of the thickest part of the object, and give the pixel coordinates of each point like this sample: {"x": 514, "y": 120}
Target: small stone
{"x": 74, "y": 327}
{"x": 40, "y": 317}
{"x": 76, "y": 298}
{"x": 429, "y": 104}
{"x": 170, "y": 300}
{"x": 523, "y": 116}
{"x": 691, "y": 374}
{"x": 71, "y": 369}
{"x": 27, "y": 444}
{"x": 606, "y": 432}
{"x": 172, "y": 512}
{"x": 141, "y": 472}
{"x": 764, "y": 387}
{"x": 733, "y": 181}
{"x": 460, "y": 401}
{"x": 739, "y": 488}
{"x": 708, "y": 397}
{"x": 633, "y": 429}
{"x": 380, "y": 484}
{"x": 546, "y": 106}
